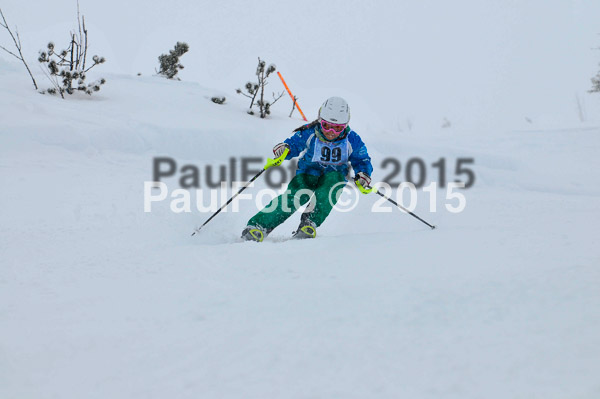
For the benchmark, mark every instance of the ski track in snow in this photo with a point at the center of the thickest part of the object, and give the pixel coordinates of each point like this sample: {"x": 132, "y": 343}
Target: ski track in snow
{"x": 99, "y": 299}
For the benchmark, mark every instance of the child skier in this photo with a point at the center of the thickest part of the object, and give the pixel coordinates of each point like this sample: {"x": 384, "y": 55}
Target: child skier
{"x": 326, "y": 146}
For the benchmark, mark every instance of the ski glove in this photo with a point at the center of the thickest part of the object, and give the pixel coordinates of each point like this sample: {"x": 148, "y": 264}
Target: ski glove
{"x": 279, "y": 149}
{"x": 363, "y": 179}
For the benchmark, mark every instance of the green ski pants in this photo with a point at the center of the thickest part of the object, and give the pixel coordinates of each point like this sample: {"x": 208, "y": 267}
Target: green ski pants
{"x": 326, "y": 190}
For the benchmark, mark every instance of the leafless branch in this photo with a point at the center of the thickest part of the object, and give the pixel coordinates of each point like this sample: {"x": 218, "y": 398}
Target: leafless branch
{"x": 72, "y": 50}
{"x": 86, "y": 42}
{"x": 293, "y": 106}
{"x": 11, "y": 53}
{"x": 54, "y": 82}
{"x": 17, "y": 42}
{"x": 61, "y": 59}
{"x": 80, "y": 38}
{"x": 276, "y": 98}
{"x": 244, "y": 94}
{"x": 93, "y": 65}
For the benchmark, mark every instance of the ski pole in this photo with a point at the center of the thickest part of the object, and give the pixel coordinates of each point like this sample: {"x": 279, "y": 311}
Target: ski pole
{"x": 401, "y": 207}
{"x": 270, "y": 163}
{"x": 374, "y": 189}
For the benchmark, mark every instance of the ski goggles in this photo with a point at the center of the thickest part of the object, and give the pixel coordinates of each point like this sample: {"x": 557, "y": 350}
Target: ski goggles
{"x": 329, "y": 127}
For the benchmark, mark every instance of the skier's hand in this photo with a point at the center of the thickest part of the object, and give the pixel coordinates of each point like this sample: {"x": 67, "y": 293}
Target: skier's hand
{"x": 362, "y": 180}
{"x": 279, "y": 149}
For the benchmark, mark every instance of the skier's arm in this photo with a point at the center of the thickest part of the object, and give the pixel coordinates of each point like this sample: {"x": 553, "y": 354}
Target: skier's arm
{"x": 298, "y": 142}
{"x": 359, "y": 158}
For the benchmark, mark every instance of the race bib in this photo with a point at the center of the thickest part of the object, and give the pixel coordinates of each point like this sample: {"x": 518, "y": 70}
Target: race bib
{"x": 331, "y": 153}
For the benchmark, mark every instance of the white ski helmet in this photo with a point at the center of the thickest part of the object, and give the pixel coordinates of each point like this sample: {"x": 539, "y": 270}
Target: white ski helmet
{"x": 335, "y": 110}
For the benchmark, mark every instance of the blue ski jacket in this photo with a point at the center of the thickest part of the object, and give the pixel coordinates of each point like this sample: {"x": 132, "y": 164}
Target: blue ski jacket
{"x": 318, "y": 156}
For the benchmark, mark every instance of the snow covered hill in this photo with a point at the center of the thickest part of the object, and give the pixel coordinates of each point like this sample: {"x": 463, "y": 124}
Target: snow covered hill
{"x": 99, "y": 299}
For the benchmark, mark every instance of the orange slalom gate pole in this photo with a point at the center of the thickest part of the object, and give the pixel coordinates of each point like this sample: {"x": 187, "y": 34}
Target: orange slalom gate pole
{"x": 292, "y": 96}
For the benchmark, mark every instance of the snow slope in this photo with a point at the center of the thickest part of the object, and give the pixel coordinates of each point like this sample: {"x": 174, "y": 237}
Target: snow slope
{"x": 99, "y": 299}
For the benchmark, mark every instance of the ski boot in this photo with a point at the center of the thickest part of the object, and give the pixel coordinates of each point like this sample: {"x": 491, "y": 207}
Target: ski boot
{"x": 306, "y": 229}
{"x": 254, "y": 233}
